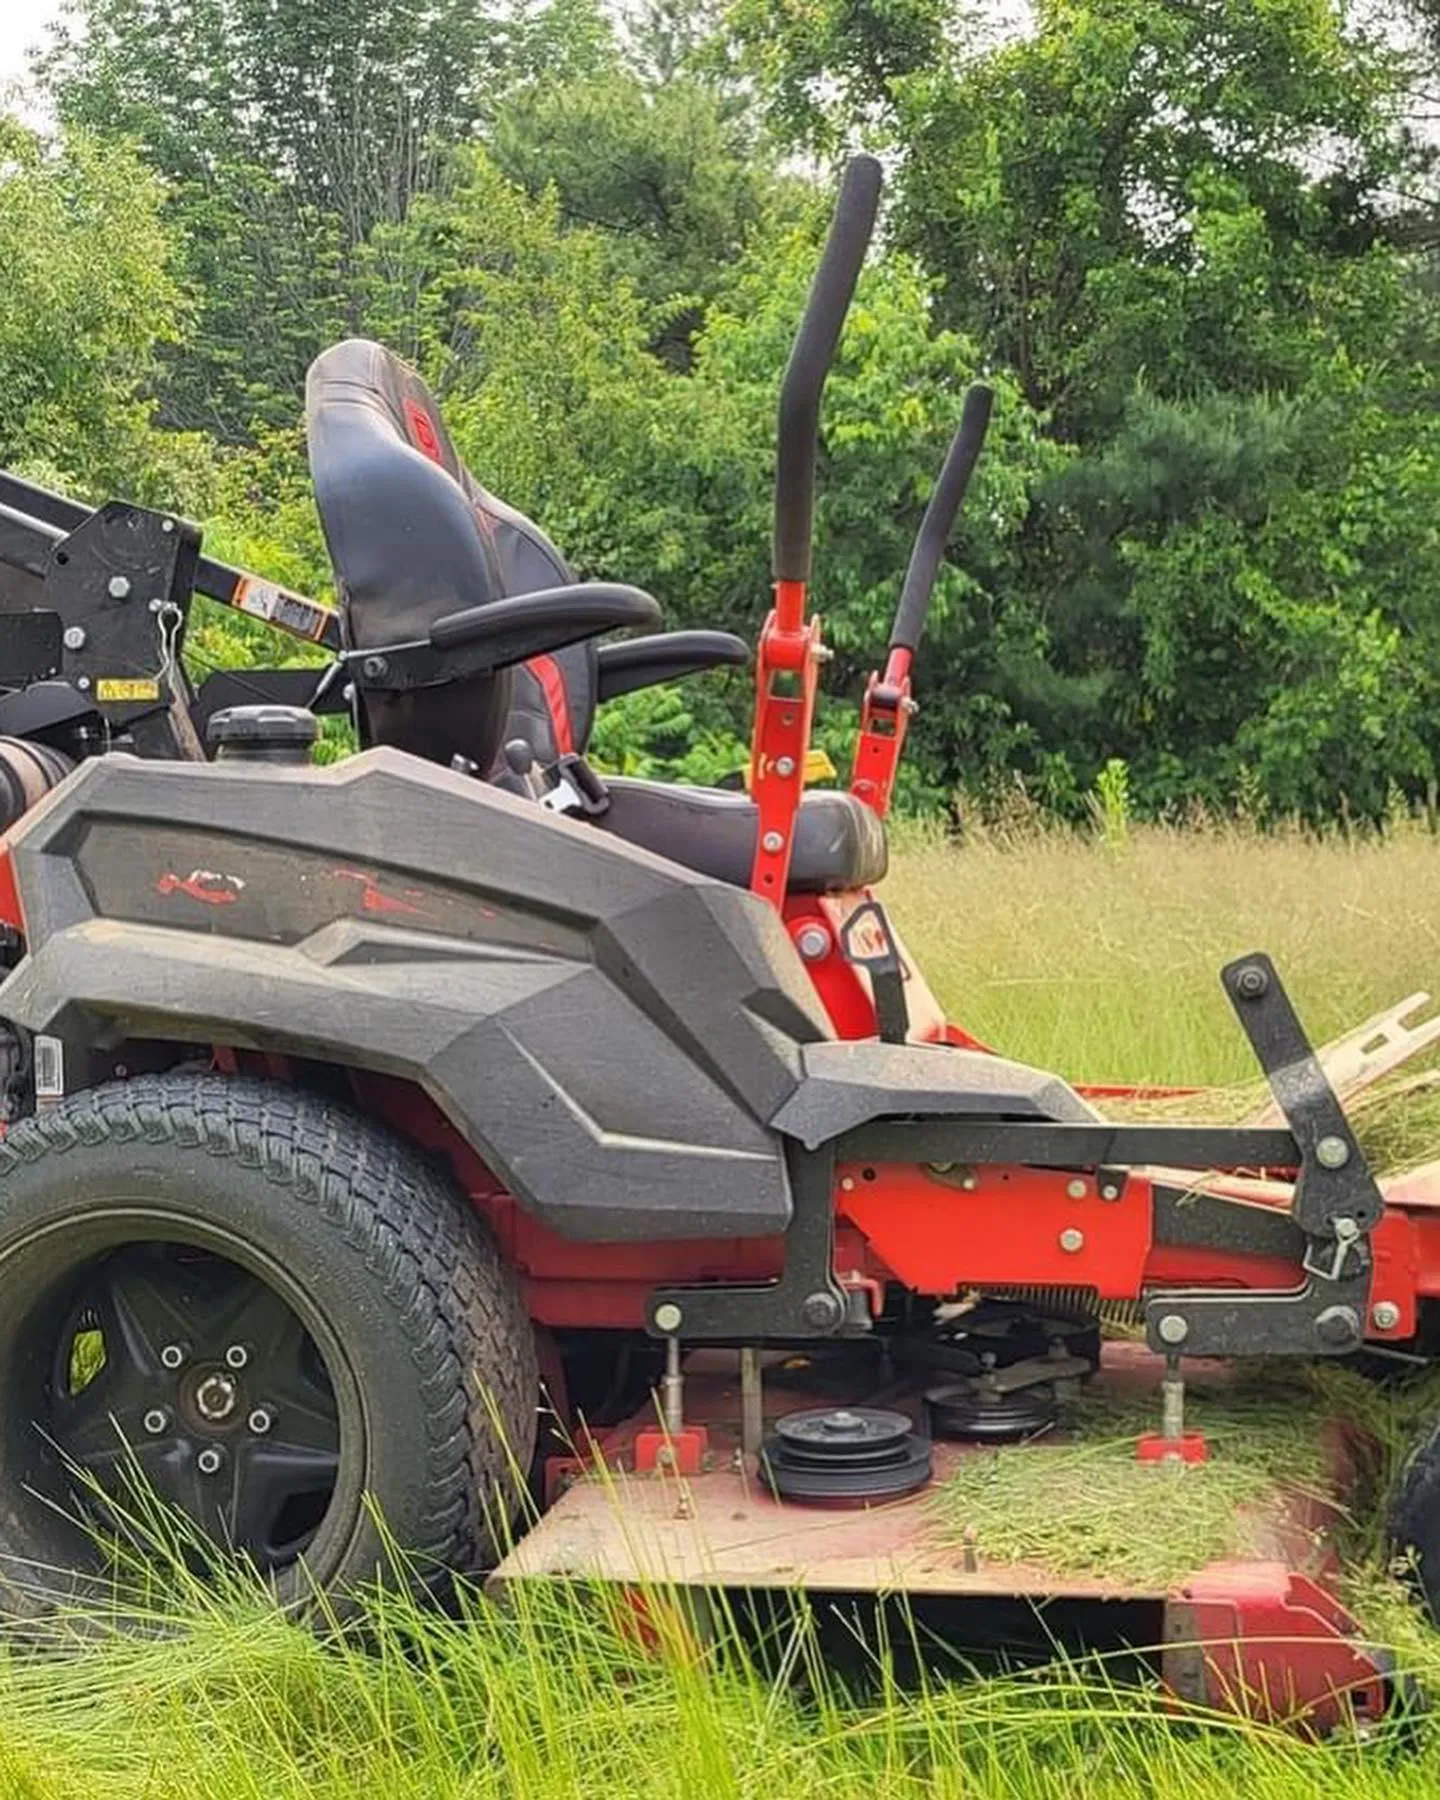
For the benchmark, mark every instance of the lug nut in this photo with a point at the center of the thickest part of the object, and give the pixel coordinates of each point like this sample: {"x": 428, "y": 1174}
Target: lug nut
{"x": 237, "y": 1356}
{"x": 209, "y": 1461}
{"x": 173, "y": 1356}
{"x": 156, "y": 1420}
{"x": 260, "y": 1420}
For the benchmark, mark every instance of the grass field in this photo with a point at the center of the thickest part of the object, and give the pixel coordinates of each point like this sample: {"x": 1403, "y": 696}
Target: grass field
{"x": 1099, "y": 961}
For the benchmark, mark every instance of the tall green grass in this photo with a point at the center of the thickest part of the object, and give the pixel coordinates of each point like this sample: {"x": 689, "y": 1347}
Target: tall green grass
{"x": 1104, "y": 962}
{"x": 1098, "y": 959}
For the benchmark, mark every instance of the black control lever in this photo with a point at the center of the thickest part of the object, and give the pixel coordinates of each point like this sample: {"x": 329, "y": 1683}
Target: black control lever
{"x": 935, "y": 527}
{"x": 814, "y": 351}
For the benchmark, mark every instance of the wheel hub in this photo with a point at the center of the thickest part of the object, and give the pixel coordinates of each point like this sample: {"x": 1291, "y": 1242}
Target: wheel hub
{"x": 217, "y": 1397}
{"x": 209, "y": 1384}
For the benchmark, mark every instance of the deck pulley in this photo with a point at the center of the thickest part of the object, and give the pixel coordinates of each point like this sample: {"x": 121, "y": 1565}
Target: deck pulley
{"x": 982, "y": 1412}
{"x": 845, "y": 1455}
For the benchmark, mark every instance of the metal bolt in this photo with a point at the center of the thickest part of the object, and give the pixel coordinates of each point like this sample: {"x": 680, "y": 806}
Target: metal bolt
{"x": 209, "y": 1460}
{"x": 785, "y": 766}
{"x": 1109, "y": 1191}
{"x": 1172, "y": 1329}
{"x": 813, "y": 942}
{"x": 156, "y": 1420}
{"x": 821, "y": 1310}
{"x": 1252, "y": 982}
{"x": 74, "y": 638}
{"x": 1338, "y": 1327}
{"x": 373, "y": 667}
{"x": 1332, "y": 1153}
{"x": 167, "y": 524}
{"x": 173, "y": 1356}
{"x": 772, "y": 841}
{"x": 118, "y": 587}
{"x": 260, "y": 1420}
{"x": 969, "y": 1183}
{"x": 1076, "y": 1190}
{"x": 83, "y": 684}
{"x": 1385, "y": 1315}
{"x": 1072, "y": 1240}
{"x": 847, "y": 1183}
{"x": 668, "y": 1317}
{"x": 237, "y": 1356}
{"x": 156, "y": 605}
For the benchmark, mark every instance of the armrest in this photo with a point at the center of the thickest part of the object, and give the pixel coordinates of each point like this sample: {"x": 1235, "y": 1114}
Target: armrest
{"x": 484, "y": 638}
{"x": 644, "y": 662}
{"x": 547, "y": 620}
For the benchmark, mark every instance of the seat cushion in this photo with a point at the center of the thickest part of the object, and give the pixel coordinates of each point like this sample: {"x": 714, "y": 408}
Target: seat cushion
{"x": 839, "y": 842}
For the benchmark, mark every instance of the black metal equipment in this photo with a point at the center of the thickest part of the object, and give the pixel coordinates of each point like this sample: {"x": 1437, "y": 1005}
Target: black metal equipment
{"x": 847, "y": 1455}
{"x": 977, "y": 1412}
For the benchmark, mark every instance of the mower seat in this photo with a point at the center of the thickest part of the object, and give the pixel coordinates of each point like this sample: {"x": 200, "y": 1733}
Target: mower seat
{"x": 413, "y": 536}
{"x": 839, "y": 842}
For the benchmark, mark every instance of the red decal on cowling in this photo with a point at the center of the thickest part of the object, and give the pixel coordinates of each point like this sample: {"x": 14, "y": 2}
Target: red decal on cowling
{"x": 373, "y": 898}
{"x": 207, "y": 886}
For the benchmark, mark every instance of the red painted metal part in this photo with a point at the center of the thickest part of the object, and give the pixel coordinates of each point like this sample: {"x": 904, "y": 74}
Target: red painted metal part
{"x": 787, "y": 670}
{"x": 1192, "y": 1447}
{"x": 884, "y": 721}
{"x": 1269, "y": 1642}
{"x": 681, "y": 1452}
{"x": 10, "y": 910}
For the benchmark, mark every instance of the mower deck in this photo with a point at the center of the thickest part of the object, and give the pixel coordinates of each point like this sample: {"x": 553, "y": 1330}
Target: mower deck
{"x": 1261, "y": 1632}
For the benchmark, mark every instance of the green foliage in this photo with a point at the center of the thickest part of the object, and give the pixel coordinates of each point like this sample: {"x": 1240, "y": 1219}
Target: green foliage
{"x": 87, "y": 295}
{"x": 669, "y": 175}
{"x": 1176, "y": 239}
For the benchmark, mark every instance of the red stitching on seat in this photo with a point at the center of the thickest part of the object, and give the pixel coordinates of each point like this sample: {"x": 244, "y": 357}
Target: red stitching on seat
{"x": 546, "y": 671}
{"x": 422, "y": 432}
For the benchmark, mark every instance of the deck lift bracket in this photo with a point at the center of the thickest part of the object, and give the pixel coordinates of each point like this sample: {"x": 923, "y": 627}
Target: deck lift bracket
{"x": 1336, "y": 1205}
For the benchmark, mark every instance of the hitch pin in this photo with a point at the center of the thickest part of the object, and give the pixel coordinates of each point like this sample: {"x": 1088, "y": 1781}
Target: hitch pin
{"x": 1347, "y": 1234}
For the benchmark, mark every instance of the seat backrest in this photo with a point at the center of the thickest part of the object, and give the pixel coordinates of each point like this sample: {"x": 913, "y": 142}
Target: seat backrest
{"x": 412, "y": 536}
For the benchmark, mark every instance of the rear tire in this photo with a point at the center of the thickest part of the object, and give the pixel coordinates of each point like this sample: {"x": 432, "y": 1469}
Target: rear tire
{"x": 174, "y": 1247}
{"x": 1413, "y": 1525}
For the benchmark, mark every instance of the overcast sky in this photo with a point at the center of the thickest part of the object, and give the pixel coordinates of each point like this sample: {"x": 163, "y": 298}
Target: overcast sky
{"x": 22, "y": 23}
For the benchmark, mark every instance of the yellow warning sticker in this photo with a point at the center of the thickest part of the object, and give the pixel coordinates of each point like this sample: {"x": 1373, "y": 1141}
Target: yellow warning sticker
{"x": 146, "y": 688}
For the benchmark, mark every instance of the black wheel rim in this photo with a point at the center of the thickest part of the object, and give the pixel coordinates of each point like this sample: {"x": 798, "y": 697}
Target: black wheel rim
{"x": 179, "y": 1372}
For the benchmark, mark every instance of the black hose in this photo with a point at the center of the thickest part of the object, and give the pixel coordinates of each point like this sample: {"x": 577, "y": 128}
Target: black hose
{"x": 830, "y": 296}
{"x": 934, "y": 532}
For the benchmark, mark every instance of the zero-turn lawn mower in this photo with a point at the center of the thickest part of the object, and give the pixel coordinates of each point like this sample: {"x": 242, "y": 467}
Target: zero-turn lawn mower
{"x": 348, "y": 1105}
